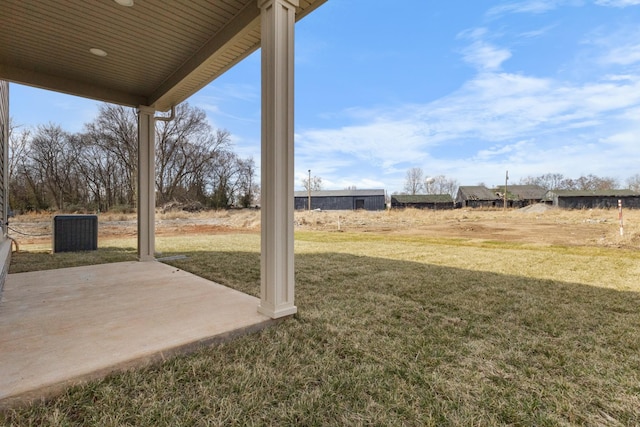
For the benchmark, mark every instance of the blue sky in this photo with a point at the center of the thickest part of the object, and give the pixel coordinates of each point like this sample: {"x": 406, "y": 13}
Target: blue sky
{"x": 466, "y": 89}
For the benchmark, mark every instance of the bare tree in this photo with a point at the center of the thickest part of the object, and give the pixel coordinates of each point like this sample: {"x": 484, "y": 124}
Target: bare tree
{"x": 314, "y": 185}
{"x": 549, "y": 181}
{"x": 633, "y": 182}
{"x": 414, "y": 181}
{"x": 97, "y": 169}
{"x": 21, "y": 195}
{"x": 222, "y": 180}
{"x": 103, "y": 175}
{"x": 557, "y": 181}
{"x": 441, "y": 185}
{"x": 246, "y": 182}
{"x": 114, "y": 133}
{"x": 593, "y": 182}
{"x": 19, "y": 146}
{"x": 53, "y": 153}
{"x": 185, "y": 147}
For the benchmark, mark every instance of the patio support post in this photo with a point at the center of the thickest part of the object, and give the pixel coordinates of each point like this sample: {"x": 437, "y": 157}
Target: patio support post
{"x": 276, "y": 262}
{"x": 146, "y": 184}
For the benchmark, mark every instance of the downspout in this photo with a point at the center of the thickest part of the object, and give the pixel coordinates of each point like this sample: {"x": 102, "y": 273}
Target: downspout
{"x": 167, "y": 119}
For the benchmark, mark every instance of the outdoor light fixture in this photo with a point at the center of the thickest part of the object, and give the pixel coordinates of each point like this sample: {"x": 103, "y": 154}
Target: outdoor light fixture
{"x": 98, "y": 52}
{"x": 127, "y": 3}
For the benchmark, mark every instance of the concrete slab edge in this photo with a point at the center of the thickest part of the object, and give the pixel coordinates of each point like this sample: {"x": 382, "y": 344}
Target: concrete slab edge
{"x": 48, "y": 392}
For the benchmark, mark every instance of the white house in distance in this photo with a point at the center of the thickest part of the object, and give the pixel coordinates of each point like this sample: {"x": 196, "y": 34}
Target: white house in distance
{"x": 154, "y": 54}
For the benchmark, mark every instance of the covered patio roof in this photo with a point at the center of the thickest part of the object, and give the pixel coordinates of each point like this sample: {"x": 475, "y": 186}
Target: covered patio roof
{"x": 158, "y": 53}
{"x": 154, "y": 54}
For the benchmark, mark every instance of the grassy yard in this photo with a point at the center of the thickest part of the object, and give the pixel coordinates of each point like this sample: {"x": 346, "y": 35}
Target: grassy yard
{"x": 393, "y": 330}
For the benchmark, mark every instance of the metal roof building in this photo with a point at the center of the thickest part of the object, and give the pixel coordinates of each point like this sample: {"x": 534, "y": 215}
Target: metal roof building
{"x": 476, "y": 196}
{"x": 532, "y": 193}
{"x": 371, "y": 200}
{"x": 521, "y": 195}
{"x": 422, "y": 201}
{"x": 572, "y": 199}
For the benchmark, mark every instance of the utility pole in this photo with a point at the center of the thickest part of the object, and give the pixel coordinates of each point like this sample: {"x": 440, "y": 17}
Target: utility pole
{"x": 506, "y": 180}
{"x": 309, "y": 191}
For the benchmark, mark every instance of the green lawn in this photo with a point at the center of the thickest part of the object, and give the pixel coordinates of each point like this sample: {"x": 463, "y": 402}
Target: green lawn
{"x": 396, "y": 331}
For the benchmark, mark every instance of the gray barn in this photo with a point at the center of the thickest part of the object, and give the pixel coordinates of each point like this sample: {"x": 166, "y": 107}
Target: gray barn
{"x": 519, "y": 196}
{"x": 371, "y": 200}
{"x": 570, "y": 199}
{"x": 476, "y": 196}
{"x": 422, "y": 201}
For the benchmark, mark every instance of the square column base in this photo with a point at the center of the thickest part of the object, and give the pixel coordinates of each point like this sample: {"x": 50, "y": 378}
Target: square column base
{"x": 275, "y": 314}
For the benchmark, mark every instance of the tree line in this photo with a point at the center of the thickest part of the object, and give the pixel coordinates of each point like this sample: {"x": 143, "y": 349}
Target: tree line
{"x": 590, "y": 182}
{"x": 416, "y": 183}
{"x": 96, "y": 169}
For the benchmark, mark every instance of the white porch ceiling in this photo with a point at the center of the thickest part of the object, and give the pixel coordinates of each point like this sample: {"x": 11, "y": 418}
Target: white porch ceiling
{"x": 159, "y": 52}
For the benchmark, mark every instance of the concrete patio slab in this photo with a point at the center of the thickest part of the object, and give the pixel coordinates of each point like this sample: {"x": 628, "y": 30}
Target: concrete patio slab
{"x": 66, "y": 326}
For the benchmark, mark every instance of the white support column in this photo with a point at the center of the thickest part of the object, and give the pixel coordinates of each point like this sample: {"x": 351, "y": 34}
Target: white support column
{"x": 146, "y": 184}
{"x": 277, "y": 272}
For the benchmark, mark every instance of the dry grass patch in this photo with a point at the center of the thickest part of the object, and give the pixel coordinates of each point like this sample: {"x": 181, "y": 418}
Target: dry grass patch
{"x": 43, "y": 259}
{"x": 614, "y": 268}
{"x": 395, "y": 331}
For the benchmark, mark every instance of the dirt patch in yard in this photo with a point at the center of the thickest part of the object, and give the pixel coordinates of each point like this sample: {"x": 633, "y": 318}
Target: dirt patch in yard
{"x": 532, "y": 225}
{"x": 536, "y": 224}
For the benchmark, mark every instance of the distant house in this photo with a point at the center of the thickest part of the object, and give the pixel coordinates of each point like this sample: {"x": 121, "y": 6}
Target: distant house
{"x": 371, "y": 200}
{"x": 422, "y": 201}
{"x": 521, "y": 195}
{"x": 476, "y": 196}
{"x": 570, "y": 199}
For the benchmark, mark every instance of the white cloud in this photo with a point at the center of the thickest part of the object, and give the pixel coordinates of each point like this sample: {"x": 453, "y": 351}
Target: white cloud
{"x": 622, "y": 55}
{"x": 209, "y": 107}
{"x": 613, "y": 47}
{"x": 537, "y": 33}
{"x": 484, "y": 56}
{"x": 527, "y": 6}
{"x": 497, "y": 120}
{"x": 624, "y": 142}
{"x": 481, "y": 54}
{"x": 505, "y": 106}
{"x": 214, "y": 94}
{"x": 512, "y": 150}
{"x": 617, "y": 3}
{"x": 357, "y": 181}
{"x": 529, "y": 124}
{"x": 374, "y": 143}
{"x": 543, "y": 6}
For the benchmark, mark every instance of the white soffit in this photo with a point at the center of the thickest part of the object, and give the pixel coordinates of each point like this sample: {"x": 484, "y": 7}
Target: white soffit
{"x": 155, "y": 52}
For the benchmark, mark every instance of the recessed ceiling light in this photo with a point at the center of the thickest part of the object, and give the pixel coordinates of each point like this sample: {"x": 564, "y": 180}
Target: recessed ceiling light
{"x": 127, "y": 3}
{"x": 98, "y": 52}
